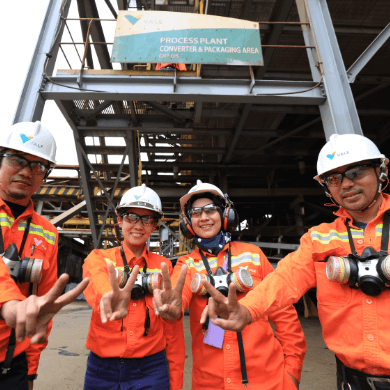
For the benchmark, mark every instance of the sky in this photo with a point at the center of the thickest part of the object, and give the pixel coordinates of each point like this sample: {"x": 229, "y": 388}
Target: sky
{"x": 20, "y": 25}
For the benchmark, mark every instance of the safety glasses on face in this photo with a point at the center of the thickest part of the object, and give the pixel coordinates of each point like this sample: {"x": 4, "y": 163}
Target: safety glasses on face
{"x": 37, "y": 167}
{"x": 209, "y": 209}
{"x": 132, "y": 218}
{"x": 353, "y": 174}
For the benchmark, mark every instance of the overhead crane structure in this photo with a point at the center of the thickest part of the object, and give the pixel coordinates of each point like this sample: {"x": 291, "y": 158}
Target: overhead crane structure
{"x": 253, "y": 131}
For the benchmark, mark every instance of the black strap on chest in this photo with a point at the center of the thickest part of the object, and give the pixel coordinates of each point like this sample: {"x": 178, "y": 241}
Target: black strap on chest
{"x": 207, "y": 265}
{"x": 126, "y": 264}
{"x": 12, "y": 338}
{"x": 205, "y": 326}
{"x": 128, "y": 272}
{"x": 385, "y": 235}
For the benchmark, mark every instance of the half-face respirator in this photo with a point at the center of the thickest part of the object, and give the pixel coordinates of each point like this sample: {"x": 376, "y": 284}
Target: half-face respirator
{"x": 28, "y": 270}
{"x": 370, "y": 272}
{"x": 145, "y": 284}
{"x": 221, "y": 279}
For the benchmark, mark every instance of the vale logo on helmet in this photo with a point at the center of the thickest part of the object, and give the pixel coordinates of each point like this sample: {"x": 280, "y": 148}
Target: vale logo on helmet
{"x": 26, "y": 139}
{"x": 331, "y": 156}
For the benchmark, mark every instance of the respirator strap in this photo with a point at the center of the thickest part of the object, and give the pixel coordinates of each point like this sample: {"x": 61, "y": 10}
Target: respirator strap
{"x": 229, "y": 265}
{"x": 1, "y": 241}
{"x": 25, "y": 234}
{"x": 244, "y": 375}
{"x": 385, "y": 233}
{"x": 353, "y": 249}
{"x": 206, "y": 263}
{"x": 126, "y": 264}
{"x": 239, "y": 335}
{"x": 10, "y": 353}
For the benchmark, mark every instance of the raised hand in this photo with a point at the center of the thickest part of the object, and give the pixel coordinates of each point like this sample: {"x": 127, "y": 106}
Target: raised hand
{"x": 231, "y": 315}
{"x": 113, "y": 304}
{"x": 167, "y": 303}
{"x": 31, "y": 317}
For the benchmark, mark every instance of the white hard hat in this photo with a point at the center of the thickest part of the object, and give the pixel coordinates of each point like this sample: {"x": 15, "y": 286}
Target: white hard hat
{"x": 344, "y": 149}
{"x": 141, "y": 197}
{"x": 200, "y": 188}
{"x": 31, "y": 138}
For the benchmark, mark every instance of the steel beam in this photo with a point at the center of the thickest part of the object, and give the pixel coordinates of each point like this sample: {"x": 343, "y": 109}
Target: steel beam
{"x": 133, "y": 171}
{"x": 275, "y": 245}
{"x": 106, "y": 87}
{"x": 84, "y": 30}
{"x": 31, "y": 103}
{"x": 112, "y": 9}
{"x": 283, "y": 10}
{"x": 85, "y": 176}
{"x": 178, "y": 192}
{"x": 163, "y": 166}
{"x": 168, "y": 112}
{"x": 68, "y": 214}
{"x": 338, "y": 112}
{"x": 97, "y": 35}
{"x": 119, "y": 150}
{"x": 122, "y": 5}
{"x": 366, "y": 56}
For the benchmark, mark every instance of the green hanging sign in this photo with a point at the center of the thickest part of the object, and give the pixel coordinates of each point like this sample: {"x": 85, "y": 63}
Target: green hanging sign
{"x": 175, "y": 37}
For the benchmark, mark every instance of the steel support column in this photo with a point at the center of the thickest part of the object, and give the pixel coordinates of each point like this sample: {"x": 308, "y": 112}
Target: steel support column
{"x": 366, "y": 56}
{"x": 132, "y": 158}
{"x": 338, "y": 112}
{"x": 85, "y": 176}
{"x": 31, "y": 103}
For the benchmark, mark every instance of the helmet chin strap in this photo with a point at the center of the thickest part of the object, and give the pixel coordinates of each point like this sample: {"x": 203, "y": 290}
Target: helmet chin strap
{"x": 382, "y": 178}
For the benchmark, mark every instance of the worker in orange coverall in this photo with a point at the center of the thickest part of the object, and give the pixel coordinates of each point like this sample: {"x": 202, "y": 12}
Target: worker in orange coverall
{"x": 347, "y": 260}
{"x": 254, "y": 358}
{"x": 28, "y": 250}
{"x": 131, "y": 347}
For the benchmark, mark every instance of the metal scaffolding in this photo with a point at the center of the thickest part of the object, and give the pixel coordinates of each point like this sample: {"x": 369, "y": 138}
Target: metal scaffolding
{"x": 255, "y": 132}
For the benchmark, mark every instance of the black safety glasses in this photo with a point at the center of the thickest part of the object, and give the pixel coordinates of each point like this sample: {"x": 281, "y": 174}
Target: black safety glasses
{"x": 133, "y": 218}
{"x": 353, "y": 174}
{"x": 209, "y": 209}
{"x": 19, "y": 162}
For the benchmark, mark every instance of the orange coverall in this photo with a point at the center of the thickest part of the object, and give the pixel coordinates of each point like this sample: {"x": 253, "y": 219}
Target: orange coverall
{"x": 180, "y": 67}
{"x": 267, "y": 358}
{"x": 44, "y": 237}
{"x": 9, "y": 290}
{"x": 354, "y": 325}
{"x": 126, "y": 338}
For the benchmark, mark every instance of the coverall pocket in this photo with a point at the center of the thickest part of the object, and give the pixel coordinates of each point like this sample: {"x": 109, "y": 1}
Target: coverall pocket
{"x": 109, "y": 326}
{"x": 330, "y": 293}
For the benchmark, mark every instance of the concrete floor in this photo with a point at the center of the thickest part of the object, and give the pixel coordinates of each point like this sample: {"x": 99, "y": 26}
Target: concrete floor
{"x": 63, "y": 362}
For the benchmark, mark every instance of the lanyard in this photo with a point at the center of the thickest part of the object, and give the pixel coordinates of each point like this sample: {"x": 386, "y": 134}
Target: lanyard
{"x": 206, "y": 263}
{"x": 385, "y": 235}
{"x": 126, "y": 264}
{"x": 23, "y": 239}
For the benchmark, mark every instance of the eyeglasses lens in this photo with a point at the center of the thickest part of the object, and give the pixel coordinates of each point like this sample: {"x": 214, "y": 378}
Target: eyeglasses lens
{"x": 352, "y": 174}
{"x": 147, "y": 220}
{"x": 196, "y": 212}
{"x": 18, "y": 162}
